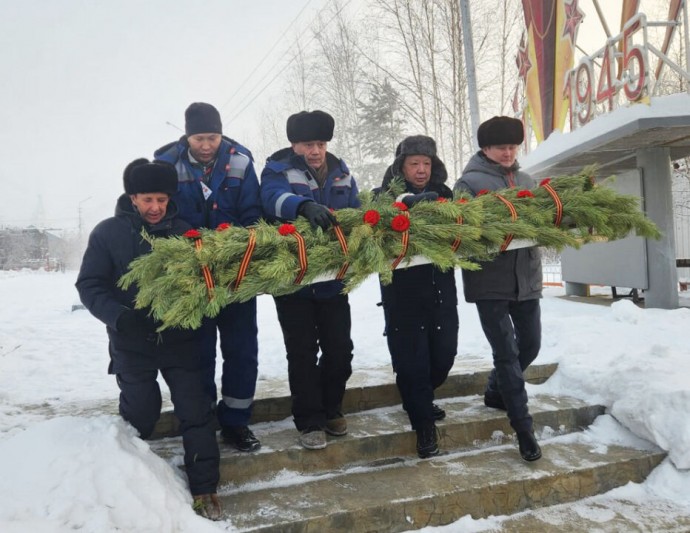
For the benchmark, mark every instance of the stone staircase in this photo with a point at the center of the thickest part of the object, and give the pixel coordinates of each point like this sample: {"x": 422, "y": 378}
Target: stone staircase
{"x": 371, "y": 479}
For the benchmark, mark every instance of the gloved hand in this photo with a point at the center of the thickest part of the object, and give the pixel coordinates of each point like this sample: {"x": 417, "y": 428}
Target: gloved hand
{"x": 135, "y": 322}
{"x": 412, "y": 199}
{"x": 317, "y": 215}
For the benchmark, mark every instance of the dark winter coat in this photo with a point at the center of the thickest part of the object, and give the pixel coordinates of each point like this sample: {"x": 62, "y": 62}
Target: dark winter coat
{"x": 112, "y": 246}
{"x": 287, "y": 182}
{"x": 515, "y": 274}
{"x": 234, "y": 187}
{"x": 415, "y": 292}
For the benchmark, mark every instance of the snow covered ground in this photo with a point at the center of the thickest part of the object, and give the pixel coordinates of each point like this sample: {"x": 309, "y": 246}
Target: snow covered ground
{"x": 67, "y": 464}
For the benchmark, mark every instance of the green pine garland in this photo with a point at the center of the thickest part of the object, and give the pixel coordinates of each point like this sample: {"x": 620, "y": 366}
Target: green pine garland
{"x": 171, "y": 282}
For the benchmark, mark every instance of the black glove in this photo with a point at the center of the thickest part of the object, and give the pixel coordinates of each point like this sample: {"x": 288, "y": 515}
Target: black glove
{"x": 413, "y": 199}
{"x": 317, "y": 215}
{"x": 135, "y": 322}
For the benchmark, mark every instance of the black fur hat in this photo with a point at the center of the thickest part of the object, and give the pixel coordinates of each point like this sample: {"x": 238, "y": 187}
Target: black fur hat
{"x": 142, "y": 176}
{"x": 500, "y": 130}
{"x": 420, "y": 145}
{"x": 310, "y": 126}
{"x": 202, "y": 118}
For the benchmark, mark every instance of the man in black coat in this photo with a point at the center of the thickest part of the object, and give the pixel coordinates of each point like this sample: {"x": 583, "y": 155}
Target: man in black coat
{"x": 420, "y": 305}
{"x": 506, "y": 290}
{"x": 137, "y": 351}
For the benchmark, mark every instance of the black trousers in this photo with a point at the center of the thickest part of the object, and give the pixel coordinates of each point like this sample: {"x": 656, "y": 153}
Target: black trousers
{"x": 422, "y": 356}
{"x": 513, "y": 330}
{"x": 140, "y": 405}
{"x": 317, "y": 383}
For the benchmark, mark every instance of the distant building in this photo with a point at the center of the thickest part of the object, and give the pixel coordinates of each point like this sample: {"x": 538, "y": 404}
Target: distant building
{"x": 31, "y": 248}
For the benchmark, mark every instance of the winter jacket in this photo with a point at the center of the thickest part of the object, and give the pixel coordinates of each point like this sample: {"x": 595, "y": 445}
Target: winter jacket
{"x": 113, "y": 244}
{"x": 410, "y": 300}
{"x": 232, "y": 187}
{"x": 287, "y": 182}
{"x": 512, "y": 275}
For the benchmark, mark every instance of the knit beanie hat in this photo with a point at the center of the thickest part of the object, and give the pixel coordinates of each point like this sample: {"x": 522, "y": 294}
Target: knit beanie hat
{"x": 310, "y": 126}
{"x": 500, "y": 130}
{"x": 419, "y": 145}
{"x": 202, "y": 118}
{"x": 141, "y": 176}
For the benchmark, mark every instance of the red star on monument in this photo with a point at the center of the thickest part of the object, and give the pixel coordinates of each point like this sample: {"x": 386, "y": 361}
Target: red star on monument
{"x": 522, "y": 59}
{"x": 573, "y": 17}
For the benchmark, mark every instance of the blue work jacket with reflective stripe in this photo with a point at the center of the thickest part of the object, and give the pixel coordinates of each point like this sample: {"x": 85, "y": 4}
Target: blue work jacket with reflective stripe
{"x": 287, "y": 182}
{"x": 233, "y": 187}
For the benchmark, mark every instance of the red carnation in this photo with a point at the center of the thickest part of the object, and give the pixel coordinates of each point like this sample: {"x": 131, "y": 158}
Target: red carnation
{"x": 371, "y": 217}
{"x": 545, "y": 181}
{"x": 442, "y": 200}
{"x": 400, "y": 206}
{"x": 223, "y": 226}
{"x": 192, "y": 234}
{"x": 525, "y": 194}
{"x": 400, "y": 223}
{"x": 461, "y": 201}
{"x": 286, "y": 229}
{"x": 483, "y": 192}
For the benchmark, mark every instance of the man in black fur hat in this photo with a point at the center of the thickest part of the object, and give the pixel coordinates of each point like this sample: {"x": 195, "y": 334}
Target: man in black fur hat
{"x": 307, "y": 180}
{"x": 420, "y": 305}
{"x": 137, "y": 351}
{"x": 506, "y": 290}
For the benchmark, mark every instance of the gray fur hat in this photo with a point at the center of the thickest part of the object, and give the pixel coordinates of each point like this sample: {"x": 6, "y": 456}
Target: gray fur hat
{"x": 419, "y": 145}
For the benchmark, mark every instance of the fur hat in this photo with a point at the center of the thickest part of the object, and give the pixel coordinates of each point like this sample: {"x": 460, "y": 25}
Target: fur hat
{"x": 500, "y": 130}
{"x": 310, "y": 126}
{"x": 419, "y": 145}
{"x": 141, "y": 176}
{"x": 202, "y": 118}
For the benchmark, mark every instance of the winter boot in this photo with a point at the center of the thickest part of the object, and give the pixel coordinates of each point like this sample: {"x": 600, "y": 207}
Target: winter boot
{"x": 241, "y": 437}
{"x": 529, "y": 447}
{"x": 208, "y": 506}
{"x": 427, "y": 440}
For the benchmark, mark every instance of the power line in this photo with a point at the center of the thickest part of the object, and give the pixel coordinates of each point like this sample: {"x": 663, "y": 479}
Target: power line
{"x": 263, "y": 59}
{"x": 314, "y": 36}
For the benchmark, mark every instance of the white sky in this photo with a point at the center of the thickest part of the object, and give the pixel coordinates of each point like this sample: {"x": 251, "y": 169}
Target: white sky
{"x": 88, "y": 85}
{"x": 68, "y": 462}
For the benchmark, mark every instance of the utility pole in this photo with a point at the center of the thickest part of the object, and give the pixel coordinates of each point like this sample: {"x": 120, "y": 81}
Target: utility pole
{"x": 468, "y": 45}
{"x": 80, "y": 217}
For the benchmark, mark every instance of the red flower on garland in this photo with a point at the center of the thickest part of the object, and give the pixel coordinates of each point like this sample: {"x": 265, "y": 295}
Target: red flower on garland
{"x": 286, "y": 229}
{"x": 461, "y": 201}
{"x": 483, "y": 192}
{"x": 400, "y": 206}
{"x": 525, "y": 194}
{"x": 545, "y": 181}
{"x": 192, "y": 234}
{"x": 371, "y": 217}
{"x": 400, "y": 223}
{"x": 442, "y": 200}
{"x": 223, "y": 226}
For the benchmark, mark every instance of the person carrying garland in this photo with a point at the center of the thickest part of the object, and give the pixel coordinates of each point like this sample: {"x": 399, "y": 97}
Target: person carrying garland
{"x": 217, "y": 185}
{"x": 420, "y": 305}
{"x": 137, "y": 351}
{"x": 507, "y": 289}
{"x": 306, "y": 180}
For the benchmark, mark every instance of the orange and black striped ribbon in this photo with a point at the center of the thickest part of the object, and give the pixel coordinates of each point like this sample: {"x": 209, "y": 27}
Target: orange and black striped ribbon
{"x": 557, "y": 201}
{"x": 343, "y": 246}
{"x": 513, "y": 216}
{"x": 244, "y": 265}
{"x": 208, "y": 278}
{"x": 302, "y": 256}
{"x": 457, "y": 242}
{"x": 405, "y": 243}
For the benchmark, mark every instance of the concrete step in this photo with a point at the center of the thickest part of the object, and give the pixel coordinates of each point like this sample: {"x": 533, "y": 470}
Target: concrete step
{"x": 383, "y": 435}
{"x": 412, "y": 493}
{"x": 275, "y": 407}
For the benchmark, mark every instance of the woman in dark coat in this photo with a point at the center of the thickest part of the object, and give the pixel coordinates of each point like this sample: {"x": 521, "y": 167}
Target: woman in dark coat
{"x": 420, "y": 305}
